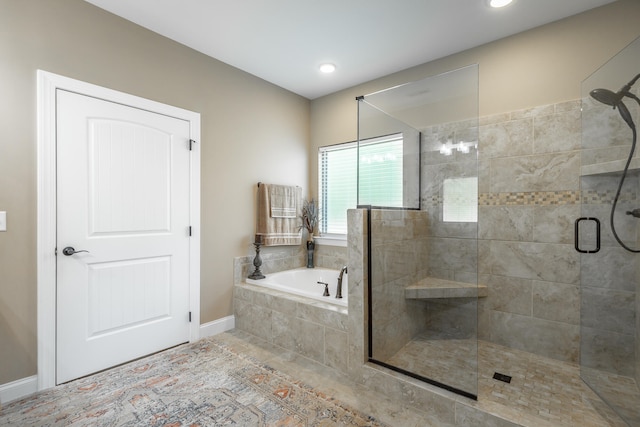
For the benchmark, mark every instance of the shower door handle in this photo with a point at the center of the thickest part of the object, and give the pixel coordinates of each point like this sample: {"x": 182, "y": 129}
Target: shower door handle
{"x": 577, "y": 235}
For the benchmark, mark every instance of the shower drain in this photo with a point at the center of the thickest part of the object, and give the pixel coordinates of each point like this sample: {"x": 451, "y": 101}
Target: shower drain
{"x": 501, "y": 377}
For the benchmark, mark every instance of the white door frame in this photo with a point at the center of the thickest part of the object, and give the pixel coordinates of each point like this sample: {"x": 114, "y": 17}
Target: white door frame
{"x": 48, "y": 84}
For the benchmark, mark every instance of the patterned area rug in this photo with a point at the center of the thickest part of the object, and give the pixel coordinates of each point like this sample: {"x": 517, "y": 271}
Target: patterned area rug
{"x": 199, "y": 384}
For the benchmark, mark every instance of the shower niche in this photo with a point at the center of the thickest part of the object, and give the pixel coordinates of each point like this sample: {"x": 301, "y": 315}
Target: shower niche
{"x": 422, "y": 237}
{"x": 610, "y": 267}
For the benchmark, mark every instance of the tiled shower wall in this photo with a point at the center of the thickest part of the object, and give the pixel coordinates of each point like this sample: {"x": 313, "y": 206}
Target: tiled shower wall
{"x": 609, "y": 335}
{"x": 529, "y": 197}
{"x": 400, "y": 253}
{"x": 528, "y": 179}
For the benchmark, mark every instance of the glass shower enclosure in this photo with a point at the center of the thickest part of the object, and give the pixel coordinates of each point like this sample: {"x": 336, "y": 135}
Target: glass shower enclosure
{"x": 608, "y": 234}
{"x": 418, "y": 181}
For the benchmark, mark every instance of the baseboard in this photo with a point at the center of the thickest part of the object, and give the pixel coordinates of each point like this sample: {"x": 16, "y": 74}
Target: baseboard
{"x": 25, "y": 386}
{"x": 217, "y": 326}
{"x": 18, "y": 388}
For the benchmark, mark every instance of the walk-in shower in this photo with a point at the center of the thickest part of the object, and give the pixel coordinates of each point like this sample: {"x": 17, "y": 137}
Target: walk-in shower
{"x": 610, "y": 276}
{"x": 474, "y": 281}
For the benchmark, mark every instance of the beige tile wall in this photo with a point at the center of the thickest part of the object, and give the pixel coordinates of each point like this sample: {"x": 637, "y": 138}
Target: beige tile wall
{"x": 529, "y": 197}
{"x": 400, "y": 254}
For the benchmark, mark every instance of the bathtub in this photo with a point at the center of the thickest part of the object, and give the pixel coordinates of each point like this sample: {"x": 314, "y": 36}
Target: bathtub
{"x": 304, "y": 282}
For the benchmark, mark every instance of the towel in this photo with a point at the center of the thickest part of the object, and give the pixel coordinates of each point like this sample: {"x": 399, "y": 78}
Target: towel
{"x": 278, "y": 231}
{"x": 283, "y": 201}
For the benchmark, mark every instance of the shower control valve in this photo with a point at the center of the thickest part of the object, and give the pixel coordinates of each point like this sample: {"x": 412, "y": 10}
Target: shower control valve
{"x": 634, "y": 213}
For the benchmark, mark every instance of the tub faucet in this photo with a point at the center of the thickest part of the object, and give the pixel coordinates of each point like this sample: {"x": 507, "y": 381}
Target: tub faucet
{"x": 339, "y": 288}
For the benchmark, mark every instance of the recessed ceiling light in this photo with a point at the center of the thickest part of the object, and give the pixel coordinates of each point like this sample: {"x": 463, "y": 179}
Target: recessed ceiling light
{"x": 499, "y": 3}
{"x": 327, "y": 68}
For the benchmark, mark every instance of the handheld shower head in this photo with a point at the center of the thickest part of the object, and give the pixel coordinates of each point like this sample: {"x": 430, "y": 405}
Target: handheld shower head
{"x": 607, "y": 96}
{"x": 614, "y": 99}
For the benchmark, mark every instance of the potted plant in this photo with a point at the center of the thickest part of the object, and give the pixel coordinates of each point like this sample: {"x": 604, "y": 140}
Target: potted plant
{"x": 309, "y": 218}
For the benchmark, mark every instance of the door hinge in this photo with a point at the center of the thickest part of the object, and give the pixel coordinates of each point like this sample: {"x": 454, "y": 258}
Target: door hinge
{"x": 191, "y": 142}
{"x": 55, "y": 252}
{"x": 189, "y": 317}
{"x": 189, "y": 231}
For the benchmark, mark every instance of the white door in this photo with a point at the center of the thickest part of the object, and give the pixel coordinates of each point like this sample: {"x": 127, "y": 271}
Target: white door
{"x": 123, "y": 197}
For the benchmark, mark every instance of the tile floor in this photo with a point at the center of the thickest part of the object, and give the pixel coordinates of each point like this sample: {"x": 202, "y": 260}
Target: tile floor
{"x": 542, "y": 392}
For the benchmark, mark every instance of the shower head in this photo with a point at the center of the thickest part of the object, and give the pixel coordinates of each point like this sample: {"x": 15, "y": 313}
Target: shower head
{"x": 607, "y": 96}
{"x": 612, "y": 98}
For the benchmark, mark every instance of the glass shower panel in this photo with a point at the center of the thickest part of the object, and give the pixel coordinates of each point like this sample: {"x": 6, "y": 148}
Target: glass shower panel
{"x": 609, "y": 283}
{"x": 423, "y": 248}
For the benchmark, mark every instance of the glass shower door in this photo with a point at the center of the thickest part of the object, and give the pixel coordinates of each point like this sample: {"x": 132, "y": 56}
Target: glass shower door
{"x": 608, "y": 236}
{"x": 422, "y": 266}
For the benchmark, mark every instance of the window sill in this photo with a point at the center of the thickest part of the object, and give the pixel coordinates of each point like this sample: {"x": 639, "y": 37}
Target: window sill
{"x": 340, "y": 240}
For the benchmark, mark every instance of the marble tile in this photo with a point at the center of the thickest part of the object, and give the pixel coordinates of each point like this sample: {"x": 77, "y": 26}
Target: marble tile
{"x": 282, "y": 331}
{"x": 602, "y": 126}
{"x": 611, "y": 268}
{"x": 454, "y": 254}
{"x": 484, "y": 173}
{"x": 556, "y": 301}
{"x": 440, "y": 228}
{"x": 495, "y": 118}
{"x": 274, "y": 302}
{"x": 254, "y": 318}
{"x": 336, "y": 349}
{"x": 608, "y": 351}
{"x": 541, "y": 172}
{"x": 608, "y": 310}
{"x": 466, "y": 416}
{"x": 241, "y": 292}
{"x": 507, "y": 139}
{"x": 526, "y": 260}
{"x": 552, "y": 339}
{"x": 557, "y": 132}
{"x": 309, "y": 339}
{"x": 540, "y": 110}
{"x": 509, "y": 294}
{"x": 322, "y": 316}
{"x": 568, "y": 106}
{"x": 554, "y": 223}
{"x": 505, "y": 222}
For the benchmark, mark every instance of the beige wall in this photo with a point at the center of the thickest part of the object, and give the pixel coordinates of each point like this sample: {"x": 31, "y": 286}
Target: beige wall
{"x": 538, "y": 67}
{"x": 248, "y": 128}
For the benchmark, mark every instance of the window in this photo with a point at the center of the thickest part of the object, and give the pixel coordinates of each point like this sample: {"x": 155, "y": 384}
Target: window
{"x": 460, "y": 200}
{"x": 381, "y": 179}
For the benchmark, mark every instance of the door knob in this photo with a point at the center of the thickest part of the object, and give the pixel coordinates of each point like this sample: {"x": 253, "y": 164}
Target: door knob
{"x": 68, "y": 251}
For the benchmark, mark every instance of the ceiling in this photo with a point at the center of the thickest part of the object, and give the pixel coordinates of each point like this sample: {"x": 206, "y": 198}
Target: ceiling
{"x": 285, "y": 41}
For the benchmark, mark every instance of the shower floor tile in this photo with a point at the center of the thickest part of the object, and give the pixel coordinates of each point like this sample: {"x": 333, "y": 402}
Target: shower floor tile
{"x": 542, "y": 391}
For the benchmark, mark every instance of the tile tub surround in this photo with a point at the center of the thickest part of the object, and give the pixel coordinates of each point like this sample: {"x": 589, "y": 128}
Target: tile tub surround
{"x": 314, "y": 329}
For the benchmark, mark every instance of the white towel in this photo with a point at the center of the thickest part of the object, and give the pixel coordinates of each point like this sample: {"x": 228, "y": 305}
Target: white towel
{"x": 283, "y": 201}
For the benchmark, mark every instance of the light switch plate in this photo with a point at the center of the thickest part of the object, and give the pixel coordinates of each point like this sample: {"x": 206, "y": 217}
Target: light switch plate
{"x": 3, "y": 221}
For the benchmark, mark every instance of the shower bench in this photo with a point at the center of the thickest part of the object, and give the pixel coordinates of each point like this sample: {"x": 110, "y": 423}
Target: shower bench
{"x": 431, "y": 287}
